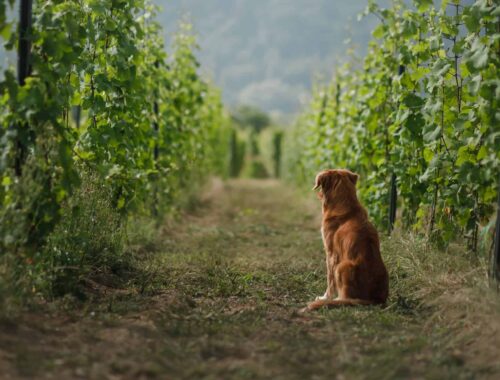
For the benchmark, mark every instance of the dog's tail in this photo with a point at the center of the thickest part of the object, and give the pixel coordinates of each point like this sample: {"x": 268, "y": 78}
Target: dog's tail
{"x": 318, "y": 304}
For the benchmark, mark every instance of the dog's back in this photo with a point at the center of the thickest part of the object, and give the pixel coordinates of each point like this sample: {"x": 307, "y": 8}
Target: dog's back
{"x": 357, "y": 244}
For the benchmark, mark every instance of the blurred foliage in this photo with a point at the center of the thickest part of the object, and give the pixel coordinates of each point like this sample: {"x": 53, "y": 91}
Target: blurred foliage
{"x": 251, "y": 127}
{"x": 237, "y": 154}
{"x": 277, "y": 152}
{"x": 252, "y": 118}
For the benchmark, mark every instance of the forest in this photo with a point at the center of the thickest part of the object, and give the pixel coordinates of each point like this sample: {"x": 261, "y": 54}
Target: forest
{"x": 148, "y": 230}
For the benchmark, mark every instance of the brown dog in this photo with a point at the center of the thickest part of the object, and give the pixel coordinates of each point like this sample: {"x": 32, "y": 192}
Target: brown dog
{"x": 355, "y": 270}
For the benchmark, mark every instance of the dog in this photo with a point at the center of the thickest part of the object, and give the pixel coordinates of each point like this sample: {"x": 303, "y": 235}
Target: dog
{"x": 356, "y": 273}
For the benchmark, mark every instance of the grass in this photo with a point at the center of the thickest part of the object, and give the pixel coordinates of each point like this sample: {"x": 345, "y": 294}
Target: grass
{"x": 215, "y": 295}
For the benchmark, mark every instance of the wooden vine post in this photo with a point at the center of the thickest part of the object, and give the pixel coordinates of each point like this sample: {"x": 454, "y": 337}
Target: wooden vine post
{"x": 393, "y": 202}
{"x": 277, "y": 152}
{"x": 23, "y": 71}
{"x": 156, "y": 148}
{"x": 77, "y": 116}
{"x": 156, "y": 125}
{"x": 495, "y": 267}
{"x": 337, "y": 97}
{"x": 24, "y": 49}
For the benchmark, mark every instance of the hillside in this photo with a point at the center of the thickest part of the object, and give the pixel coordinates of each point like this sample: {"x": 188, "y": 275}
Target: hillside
{"x": 268, "y": 52}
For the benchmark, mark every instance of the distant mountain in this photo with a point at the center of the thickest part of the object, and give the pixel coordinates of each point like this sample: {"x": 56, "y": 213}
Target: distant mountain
{"x": 267, "y": 52}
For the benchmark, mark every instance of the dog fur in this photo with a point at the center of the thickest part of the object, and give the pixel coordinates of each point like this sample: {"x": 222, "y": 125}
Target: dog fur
{"x": 356, "y": 273}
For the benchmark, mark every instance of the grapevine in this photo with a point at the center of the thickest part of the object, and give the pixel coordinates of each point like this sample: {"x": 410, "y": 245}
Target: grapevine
{"x": 148, "y": 125}
{"x": 424, "y": 107}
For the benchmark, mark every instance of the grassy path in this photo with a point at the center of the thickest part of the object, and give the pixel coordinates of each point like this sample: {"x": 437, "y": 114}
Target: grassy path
{"x": 216, "y": 298}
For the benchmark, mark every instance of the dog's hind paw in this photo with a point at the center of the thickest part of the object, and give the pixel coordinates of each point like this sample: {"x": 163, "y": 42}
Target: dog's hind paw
{"x": 304, "y": 310}
{"x": 322, "y": 298}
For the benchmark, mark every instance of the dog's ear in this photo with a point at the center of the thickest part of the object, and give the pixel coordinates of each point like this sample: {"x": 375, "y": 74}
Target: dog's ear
{"x": 326, "y": 180}
{"x": 320, "y": 180}
{"x": 353, "y": 177}
{"x": 317, "y": 182}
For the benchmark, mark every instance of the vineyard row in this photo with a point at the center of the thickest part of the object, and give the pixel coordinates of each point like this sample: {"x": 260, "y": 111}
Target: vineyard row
{"x": 422, "y": 110}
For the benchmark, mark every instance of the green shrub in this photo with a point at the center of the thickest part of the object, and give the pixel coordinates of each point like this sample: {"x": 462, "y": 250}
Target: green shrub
{"x": 277, "y": 152}
{"x": 89, "y": 240}
{"x": 258, "y": 170}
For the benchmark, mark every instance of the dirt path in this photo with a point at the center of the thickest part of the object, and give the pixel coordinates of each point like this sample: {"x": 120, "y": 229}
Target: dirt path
{"x": 219, "y": 301}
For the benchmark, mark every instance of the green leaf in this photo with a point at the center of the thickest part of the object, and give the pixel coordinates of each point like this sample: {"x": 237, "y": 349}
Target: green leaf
{"x": 6, "y": 181}
{"x": 483, "y": 153}
{"x": 121, "y": 203}
{"x": 424, "y": 5}
{"x": 433, "y": 135}
{"x": 411, "y": 100}
{"x": 478, "y": 55}
{"x": 379, "y": 31}
{"x": 464, "y": 155}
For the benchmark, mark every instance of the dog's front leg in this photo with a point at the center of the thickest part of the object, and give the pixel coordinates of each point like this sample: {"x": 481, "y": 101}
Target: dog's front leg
{"x": 330, "y": 279}
{"x": 330, "y": 284}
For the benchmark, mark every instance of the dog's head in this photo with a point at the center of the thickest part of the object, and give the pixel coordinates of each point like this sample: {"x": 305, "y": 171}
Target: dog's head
{"x": 336, "y": 185}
